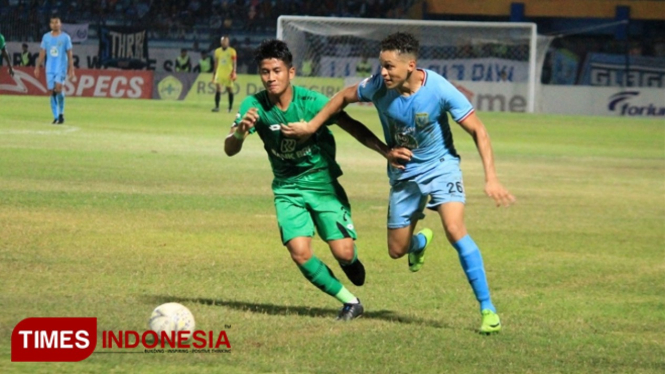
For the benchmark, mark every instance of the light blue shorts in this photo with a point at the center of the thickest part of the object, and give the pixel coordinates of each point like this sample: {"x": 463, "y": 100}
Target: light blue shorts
{"x": 408, "y": 197}
{"x": 53, "y": 78}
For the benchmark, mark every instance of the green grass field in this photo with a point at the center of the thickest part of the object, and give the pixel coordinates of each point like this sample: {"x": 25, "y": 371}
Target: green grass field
{"x": 133, "y": 203}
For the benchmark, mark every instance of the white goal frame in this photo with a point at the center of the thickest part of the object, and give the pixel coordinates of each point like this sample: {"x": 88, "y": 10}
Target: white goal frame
{"x": 531, "y": 27}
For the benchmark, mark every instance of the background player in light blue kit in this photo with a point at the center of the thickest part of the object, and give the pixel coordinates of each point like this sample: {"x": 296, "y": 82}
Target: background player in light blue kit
{"x": 413, "y": 105}
{"x": 57, "y": 47}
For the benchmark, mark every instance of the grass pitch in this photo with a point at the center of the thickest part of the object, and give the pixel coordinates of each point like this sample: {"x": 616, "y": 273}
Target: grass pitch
{"x": 133, "y": 203}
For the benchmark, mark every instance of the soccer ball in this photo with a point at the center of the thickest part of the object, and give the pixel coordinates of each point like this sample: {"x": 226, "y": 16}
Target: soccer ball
{"x": 172, "y": 317}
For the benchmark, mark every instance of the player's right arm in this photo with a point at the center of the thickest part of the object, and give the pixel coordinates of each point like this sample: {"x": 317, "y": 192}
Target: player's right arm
{"x": 40, "y": 60}
{"x": 239, "y": 131}
{"x": 216, "y": 62}
{"x": 338, "y": 102}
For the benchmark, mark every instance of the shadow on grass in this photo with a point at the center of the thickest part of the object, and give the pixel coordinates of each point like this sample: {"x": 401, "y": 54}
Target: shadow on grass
{"x": 282, "y": 310}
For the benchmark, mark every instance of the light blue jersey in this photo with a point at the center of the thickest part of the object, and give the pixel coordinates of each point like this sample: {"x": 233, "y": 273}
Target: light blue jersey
{"x": 56, "y": 48}
{"x": 419, "y": 121}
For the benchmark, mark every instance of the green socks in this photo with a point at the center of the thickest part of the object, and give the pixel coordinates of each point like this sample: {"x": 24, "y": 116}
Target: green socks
{"x": 322, "y": 277}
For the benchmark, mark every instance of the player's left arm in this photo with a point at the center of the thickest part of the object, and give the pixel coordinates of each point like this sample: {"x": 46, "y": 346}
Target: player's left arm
{"x": 337, "y": 103}
{"x": 493, "y": 188}
{"x": 362, "y": 134}
{"x": 396, "y": 156}
{"x": 70, "y": 58}
{"x": 70, "y": 71}
{"x": 234, "y": 61}
{"x": 9, "y": 63}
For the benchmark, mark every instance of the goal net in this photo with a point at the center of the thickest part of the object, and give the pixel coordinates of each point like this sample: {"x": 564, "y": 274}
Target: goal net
{"x": 495, "y": 64}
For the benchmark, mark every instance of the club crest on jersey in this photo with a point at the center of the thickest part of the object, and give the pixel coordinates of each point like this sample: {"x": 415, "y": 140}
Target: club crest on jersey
{"x": 288, "y": 145}
{"x": 422, "y": 119}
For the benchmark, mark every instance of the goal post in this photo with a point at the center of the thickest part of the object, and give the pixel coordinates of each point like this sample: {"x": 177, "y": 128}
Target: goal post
{"x": 496, "y": 64}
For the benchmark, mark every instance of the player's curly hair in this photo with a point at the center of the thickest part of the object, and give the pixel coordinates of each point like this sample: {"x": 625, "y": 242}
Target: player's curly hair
{"x": 273, "y": 48}
{"x": 401, "y": 42}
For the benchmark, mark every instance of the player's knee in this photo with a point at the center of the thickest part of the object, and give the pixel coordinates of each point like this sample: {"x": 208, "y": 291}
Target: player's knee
{"x": 346, "y": 256}
{"x": 455, "y": 231}
{"x": 300, "y": 258}
{"x": 343, "y": 251}
{"x": 397, "y": 250}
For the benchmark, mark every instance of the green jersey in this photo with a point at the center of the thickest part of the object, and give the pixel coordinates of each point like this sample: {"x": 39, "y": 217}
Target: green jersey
{"x": 290, "y": 159}
{"x": 2, "y": 42}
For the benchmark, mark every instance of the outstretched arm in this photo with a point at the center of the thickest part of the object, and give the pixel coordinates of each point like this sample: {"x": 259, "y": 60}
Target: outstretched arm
{"x": 396, "y": 156}
{"x": 237, "y": 135}
{"x": 337, "y": 103}
{"x": 493, "y": 187}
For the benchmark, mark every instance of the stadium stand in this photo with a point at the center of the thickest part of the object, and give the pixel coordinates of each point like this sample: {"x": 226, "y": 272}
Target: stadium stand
{"x": 616, "y": 27}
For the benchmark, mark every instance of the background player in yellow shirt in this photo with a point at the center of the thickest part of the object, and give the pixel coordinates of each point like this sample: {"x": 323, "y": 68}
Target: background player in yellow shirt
{"x": 225, "y": 71}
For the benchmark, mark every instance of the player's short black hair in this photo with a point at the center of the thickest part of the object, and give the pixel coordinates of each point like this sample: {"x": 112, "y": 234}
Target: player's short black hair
{"x": 273, "y": 48}
{"x": 402, "y": 42}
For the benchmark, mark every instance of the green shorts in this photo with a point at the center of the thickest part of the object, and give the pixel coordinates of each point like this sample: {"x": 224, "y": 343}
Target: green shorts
{"x": 313, "y": 201}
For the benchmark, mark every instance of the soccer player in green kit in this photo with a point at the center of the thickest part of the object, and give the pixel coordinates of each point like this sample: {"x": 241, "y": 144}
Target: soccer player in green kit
{"x": 5, "y": 55}
{"x": 307, "y": 194}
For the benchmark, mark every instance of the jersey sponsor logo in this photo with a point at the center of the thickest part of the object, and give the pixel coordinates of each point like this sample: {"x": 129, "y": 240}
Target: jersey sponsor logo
{"x": 293, "y": 155}
{"x": 422, "y": 119}
{"x": 288, "y": 145}
{"x": 403, "y": 136}
{"x": 406, "y": 141}
{"x": 275, "y": 127}
{"x": 54, "y": 51}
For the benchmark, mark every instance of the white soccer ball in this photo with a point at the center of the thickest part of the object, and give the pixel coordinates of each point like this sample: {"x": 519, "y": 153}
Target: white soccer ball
{"x": 172, "y": 317}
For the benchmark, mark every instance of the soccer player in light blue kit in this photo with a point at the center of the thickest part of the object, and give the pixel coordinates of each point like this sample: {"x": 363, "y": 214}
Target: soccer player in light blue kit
{"x": 413, "y": 106}
{"x": 57, "y": 47}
